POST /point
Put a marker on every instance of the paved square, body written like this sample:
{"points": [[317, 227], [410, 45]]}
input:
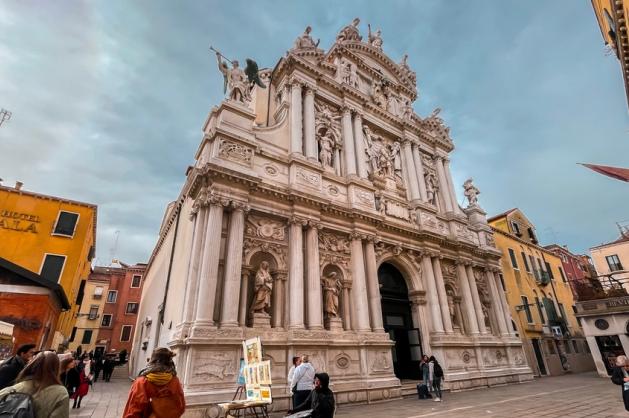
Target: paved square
{"points": [[571, 396]]}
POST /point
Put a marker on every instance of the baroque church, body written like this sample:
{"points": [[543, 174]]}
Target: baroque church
{"points": [[321, 215]]}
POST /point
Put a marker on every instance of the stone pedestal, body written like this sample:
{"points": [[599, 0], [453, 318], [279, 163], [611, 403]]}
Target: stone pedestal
{"points": [[260, 320], [476, 215], [333, 324]]}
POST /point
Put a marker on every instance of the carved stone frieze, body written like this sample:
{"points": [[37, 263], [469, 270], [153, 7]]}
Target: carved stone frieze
{"points": [[364, 197], [278, 250], [235, 152], [266, 228], [334, 243], [380, 362], [308, 178], [396, 210], [210, 366]]}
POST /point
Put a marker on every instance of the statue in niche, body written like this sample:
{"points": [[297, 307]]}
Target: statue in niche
{"points": [[471, 192], [392, 100], [382, 206], [385, 163], [331, 289], [486, 316], [263, 287], [452, 308], [350, 32], [397, 161], [375, 39], [377, 94], [326, 148], [371, 149], [349, 73], [407, 110], [305, 41], [432, 186]]}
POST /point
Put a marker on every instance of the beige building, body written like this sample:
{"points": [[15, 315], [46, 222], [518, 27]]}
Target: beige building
{"points": [[92, 304], [320, 214], [612, 258]]}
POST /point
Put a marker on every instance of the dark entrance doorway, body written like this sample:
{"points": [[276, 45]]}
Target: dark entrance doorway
{"points": [[610, 348], [396, 316], [538, 356]]}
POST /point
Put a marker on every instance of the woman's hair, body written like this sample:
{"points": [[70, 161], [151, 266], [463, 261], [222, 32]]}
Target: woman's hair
{"points": [[162, 356], [432, 358], [305, 358], [43, 371], [621, 361], [425, 357], [63, 366], [295, 359]]}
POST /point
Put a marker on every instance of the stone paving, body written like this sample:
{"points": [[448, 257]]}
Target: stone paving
{"points": [[570, 396]]}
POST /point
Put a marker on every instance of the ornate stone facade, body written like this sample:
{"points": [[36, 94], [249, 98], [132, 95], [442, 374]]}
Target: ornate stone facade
{"points": [[316, 182]]}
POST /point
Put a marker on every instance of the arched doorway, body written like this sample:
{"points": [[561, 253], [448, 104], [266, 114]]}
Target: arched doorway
{"points": [[398, 322]]}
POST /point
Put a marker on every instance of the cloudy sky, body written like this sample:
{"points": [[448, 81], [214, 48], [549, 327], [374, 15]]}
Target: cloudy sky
{"points": [[108, 100]]}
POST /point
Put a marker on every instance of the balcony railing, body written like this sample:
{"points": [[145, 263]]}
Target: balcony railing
{"points": [[603, 287]]}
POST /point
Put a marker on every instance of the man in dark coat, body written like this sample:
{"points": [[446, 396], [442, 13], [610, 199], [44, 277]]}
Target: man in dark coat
{"points": [[14, 365], [620, 376], [320, 400], [108, 368]]}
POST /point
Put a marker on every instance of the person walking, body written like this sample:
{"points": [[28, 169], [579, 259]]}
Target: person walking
{"points": [[620, 376], [303, 381], [425, 371], [98, 367], [320, 399], [435, 376], [157, 392], [291, 372], [40, 379], [69, 375], [108, 368], [11, 368], [83, 387]]}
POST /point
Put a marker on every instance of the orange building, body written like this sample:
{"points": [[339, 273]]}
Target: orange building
{"points": [[52, 237]]}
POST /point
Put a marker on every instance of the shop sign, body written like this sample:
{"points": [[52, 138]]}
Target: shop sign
{"points": [[614, 303], [19, 221]]}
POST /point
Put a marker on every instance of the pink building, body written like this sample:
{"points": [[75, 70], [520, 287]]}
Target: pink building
{"points": [[576, 269]]}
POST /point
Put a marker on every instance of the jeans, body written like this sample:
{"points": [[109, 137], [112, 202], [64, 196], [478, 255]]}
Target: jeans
{"points": [[425, 375], [299, 397], [436, 384]]}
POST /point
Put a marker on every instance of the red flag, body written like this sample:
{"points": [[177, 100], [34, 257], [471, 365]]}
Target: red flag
{"points": [[613, 172]]}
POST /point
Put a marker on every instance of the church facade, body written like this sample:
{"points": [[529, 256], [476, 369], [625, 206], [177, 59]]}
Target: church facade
{"points": [[320, 215]]}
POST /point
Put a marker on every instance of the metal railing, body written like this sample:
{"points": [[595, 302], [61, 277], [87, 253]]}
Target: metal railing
{"points": [[605, 286]]}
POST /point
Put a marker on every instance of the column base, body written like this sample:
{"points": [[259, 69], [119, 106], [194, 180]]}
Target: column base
{"points": [[201, 328], [333, 324], [260, 320]]}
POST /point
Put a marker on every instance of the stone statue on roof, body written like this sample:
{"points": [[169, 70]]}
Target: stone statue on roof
{"points": [[375, 39], [350, 32], [305, 41]]}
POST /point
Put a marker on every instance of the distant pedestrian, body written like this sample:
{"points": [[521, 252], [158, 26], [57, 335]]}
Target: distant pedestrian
{"points": [[424, 368], [320, 399], [84, 385], [98, 367], [157, 392], [291, 372], [620, 376], [69, 375], [436, 375], [14, 365], [303, 381], [108, 368], [40, 379]]}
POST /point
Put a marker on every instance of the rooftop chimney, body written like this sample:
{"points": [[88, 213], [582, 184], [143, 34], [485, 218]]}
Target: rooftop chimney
{"points": [[18, 185]]}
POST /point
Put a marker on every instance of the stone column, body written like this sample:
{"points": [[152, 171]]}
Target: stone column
{"points": [[373, 287], [196, 260], [411, 172], [359, 286], [359, 146], [348, 142], [419, 167], [337, 161], [443, 184], [244, 288], [467, 298], [478, 308], [296, 275], [278, 297], [309, 125], [455, 203], [347, 316], [496, 303], [314, 318], [505, 306], [233, 266], [433, 298], [295, 119], [443, 297], [206, 297]]}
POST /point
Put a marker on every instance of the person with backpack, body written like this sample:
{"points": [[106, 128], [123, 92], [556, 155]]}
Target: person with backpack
{"points": [[303, 381], [38, 392], [14, 365], [436, 375], [157, 392]]}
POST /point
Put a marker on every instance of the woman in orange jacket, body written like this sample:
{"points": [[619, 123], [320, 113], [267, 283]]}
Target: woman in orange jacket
{"points": [[157, 392]]}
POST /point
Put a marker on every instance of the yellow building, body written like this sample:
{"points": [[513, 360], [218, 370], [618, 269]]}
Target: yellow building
{"points": [[51, 236], [540, 299], [90, 315], [612, 20]]}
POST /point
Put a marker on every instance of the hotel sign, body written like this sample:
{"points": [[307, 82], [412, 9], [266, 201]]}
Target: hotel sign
{"points": [[615, 303], [19, 221]]}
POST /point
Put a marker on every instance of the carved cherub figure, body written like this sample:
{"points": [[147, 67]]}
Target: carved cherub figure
{"points": [[471, 192]]}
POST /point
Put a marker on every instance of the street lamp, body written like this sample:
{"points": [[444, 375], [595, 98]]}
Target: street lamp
{"points": [[5, 115]]}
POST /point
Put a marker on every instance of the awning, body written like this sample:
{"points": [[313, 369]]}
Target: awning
{"points": [[6, 329], [613, 172]]}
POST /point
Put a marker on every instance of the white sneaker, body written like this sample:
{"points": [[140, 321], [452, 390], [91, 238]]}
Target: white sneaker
{"points": [[437, 399]]}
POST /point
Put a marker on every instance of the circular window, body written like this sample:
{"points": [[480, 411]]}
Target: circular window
{"points": [[601, 324]]}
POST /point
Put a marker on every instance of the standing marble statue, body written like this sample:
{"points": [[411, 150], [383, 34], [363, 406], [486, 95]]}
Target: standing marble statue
{"points": [[370, 149], [452, 308], [305, 41], [431, 188], [471, 192], [331, 287], [375, 39], [326, 148], [235, 80], [397, 160], [350, 32], [263, 287]]}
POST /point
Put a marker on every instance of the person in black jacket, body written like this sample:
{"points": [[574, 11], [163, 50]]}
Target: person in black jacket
{"points": [[620, 376], [14, 365], [69, 376], [320, 400]]}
